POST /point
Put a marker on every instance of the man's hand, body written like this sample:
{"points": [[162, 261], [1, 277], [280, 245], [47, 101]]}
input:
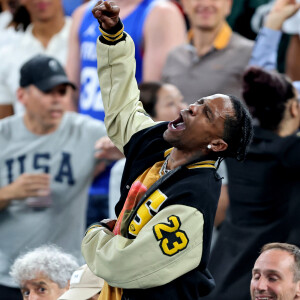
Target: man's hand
{"points": [[105, 149], [281, 11], [108, 223], [29, 185], [107, 14], [106, 152]]}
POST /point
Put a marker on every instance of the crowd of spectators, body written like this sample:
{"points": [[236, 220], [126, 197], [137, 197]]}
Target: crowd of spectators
{"points": [[59, 172]]}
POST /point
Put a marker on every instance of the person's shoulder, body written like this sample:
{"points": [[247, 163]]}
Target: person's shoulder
{"points": [[164, 6], [6, 51], [8, 125], [290, 141], [179, 57], [242, 42], [67, 27], [81, 119], [198, 187], [80, 11], [84, 122], [201, 176], [180, 52], [163, 13]]}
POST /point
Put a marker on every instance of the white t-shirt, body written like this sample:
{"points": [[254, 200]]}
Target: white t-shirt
{"points": [[17, 53], [10, 36], [5, 19]]}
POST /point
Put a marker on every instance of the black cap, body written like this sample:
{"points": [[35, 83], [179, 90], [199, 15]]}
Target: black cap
{"points": [[44, 72]]}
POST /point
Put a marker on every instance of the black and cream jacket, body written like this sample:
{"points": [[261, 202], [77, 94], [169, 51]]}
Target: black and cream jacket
{"points": [[166, 258]]}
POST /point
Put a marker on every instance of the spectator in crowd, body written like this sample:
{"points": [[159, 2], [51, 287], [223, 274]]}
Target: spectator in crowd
{"points": [[266, 47], [214, 60], [276, 273], [46, 166], [265, 55], [43, 273], [289, 47], [263, 188], [169, 195], [141, 18], [241, 14], [8, 12], [84, 285], [47, 34], [13, 28], [163, 102], [5, 13]]}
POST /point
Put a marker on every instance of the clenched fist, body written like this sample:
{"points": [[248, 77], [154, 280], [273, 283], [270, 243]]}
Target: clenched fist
{"points": [[107, 14]]}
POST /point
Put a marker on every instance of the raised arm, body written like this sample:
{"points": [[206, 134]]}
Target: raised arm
{"points": [[266, 47], [124, 113], [161, 35]]}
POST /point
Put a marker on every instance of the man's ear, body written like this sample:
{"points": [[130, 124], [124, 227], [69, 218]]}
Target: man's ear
{"points": [[68, 285], [218, 145], [294, 108], [297, 296], [21, 95]]}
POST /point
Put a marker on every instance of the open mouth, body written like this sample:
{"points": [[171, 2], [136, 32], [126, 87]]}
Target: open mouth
{"points": [[263, 298], [177, 124]]}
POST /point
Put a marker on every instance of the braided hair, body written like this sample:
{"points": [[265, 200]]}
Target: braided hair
{"points": [[238, 131]]}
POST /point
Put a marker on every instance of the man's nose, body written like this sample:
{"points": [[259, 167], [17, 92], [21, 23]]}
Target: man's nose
{"points": [[194, 109], [262, 284], [33, 296]]}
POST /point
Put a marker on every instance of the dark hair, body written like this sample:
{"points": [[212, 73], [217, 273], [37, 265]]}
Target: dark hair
{"points": [[21, 18], [292, 249], [148, 96], [238, 131], [266, 94]]}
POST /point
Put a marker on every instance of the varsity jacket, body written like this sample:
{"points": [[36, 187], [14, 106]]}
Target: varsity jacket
{"points": [[164, 250]]}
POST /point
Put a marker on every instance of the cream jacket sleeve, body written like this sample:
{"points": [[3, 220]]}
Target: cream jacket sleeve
{"points": [[124, 113], [168, 246]]}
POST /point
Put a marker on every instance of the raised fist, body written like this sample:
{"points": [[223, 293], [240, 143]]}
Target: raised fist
{"points": [[107, 14]]}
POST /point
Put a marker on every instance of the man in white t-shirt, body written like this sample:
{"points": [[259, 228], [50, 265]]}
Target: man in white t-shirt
{"points": [[48, 34]]}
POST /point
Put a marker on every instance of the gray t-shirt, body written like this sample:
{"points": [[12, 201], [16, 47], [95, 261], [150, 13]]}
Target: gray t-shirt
{"points": [[68, 156]]}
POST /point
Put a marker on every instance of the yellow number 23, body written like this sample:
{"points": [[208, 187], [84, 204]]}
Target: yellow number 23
{"points": [[172, 239]]}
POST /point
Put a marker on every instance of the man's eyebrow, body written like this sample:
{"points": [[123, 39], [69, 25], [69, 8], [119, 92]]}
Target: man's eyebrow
{"points": [[210, 114], [267, 271], [35, 284]]}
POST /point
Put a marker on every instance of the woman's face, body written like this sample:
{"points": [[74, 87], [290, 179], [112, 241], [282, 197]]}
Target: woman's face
{"points": [[169, 103]]}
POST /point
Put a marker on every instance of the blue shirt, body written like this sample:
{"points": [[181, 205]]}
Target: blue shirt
{"points": [[265, 51], [70, 6], [90, 100]]}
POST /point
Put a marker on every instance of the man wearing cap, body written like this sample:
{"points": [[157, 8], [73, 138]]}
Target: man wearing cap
{"points": [[84, 285], [47, 161]]}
